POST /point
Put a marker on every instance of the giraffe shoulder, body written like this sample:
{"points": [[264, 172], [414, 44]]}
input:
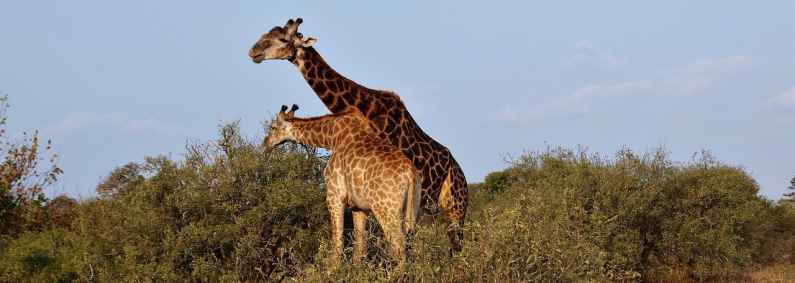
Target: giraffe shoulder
{"points": [[386, 97], [394, 97]]}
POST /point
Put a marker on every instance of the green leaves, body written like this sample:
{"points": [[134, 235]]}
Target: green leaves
{"points": [[230, 211], [24, 173], [634, 215]]}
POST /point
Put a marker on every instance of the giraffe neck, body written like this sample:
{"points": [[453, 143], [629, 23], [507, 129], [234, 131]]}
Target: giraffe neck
{"points": [[327, 83], [324, 131]]}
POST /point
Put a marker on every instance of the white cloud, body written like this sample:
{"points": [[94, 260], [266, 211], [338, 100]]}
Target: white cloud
{"points": [[523, 113], [76, 121], [693, 79], [787, 98], [585, 53], [565, 106], [717, 66], [616, 89], [697, 78]]}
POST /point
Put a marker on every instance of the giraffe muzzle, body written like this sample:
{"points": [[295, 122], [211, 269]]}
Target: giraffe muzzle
{"points": [[255, 55]]}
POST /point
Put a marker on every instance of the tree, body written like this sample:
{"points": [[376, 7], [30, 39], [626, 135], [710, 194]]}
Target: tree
{"points": [[61, 211], [497, 181], [120, 180], [24, 173], [790, 197]]}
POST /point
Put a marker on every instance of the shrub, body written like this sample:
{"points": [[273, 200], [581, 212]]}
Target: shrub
{"points": [[38, 257], [24, 173], [231, 211], [571, 215], [497, 181]]}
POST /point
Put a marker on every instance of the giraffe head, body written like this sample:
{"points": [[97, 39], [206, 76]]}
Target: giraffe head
{"points": [[280, 129], [280, 43]]}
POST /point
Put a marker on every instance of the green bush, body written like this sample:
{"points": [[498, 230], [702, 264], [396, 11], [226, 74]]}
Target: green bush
{"points": [[24, 173], [230, 211], [497, 181], [572, 216], [38, 257]]}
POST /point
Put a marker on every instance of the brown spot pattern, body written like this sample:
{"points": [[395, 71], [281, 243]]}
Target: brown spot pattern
{"points": [[389, 117]]}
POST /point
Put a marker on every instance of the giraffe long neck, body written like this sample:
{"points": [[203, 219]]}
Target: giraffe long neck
{"points": [[385, 111], [335, 90], [324, 131]]}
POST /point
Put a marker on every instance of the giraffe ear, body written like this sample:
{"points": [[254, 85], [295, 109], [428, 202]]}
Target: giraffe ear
{"points": [[307, 42]]}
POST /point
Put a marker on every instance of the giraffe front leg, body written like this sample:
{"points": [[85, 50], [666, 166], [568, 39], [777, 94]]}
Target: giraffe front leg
{"points": [[337, 214], [359, 236]]}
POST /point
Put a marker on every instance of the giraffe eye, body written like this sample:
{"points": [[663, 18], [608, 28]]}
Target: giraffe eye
{"points": [[283, 40]]}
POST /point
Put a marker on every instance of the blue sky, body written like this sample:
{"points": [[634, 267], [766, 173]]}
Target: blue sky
{"points": [[112, 82]]}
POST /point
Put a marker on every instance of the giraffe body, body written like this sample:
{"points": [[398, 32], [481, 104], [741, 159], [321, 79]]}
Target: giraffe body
{"points": [[444, 187], [364, 173]]}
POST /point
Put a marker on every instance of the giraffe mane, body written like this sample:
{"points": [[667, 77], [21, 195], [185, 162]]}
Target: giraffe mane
{"points": [[351, 112]]}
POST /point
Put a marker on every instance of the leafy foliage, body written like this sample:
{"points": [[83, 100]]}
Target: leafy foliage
{"points": [[498, 181], [24, 173], [228, 212], [573, 216], [231, 211], [790, 196]]}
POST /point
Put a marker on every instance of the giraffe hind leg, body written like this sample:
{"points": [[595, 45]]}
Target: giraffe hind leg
{"points": [[453, 204], [391, 222]]}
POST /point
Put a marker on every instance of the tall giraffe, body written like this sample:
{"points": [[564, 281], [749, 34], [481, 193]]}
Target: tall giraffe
{"points": [[365, 172], [444, 186]]}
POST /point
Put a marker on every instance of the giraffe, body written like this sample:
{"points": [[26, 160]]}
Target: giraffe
{"points": [[444, 187], [364, 173]]}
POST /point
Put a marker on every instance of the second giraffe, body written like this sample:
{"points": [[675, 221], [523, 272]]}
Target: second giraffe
{"points": [[365, 173]]}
